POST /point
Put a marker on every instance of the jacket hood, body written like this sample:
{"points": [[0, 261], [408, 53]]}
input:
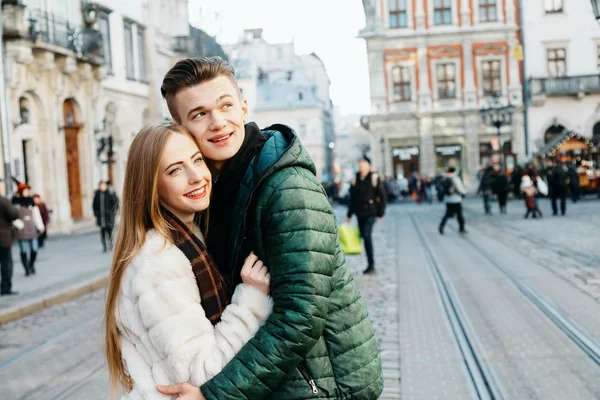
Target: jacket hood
{"points": [[282, 150]]}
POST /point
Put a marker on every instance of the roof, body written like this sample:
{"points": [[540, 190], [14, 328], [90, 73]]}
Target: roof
{"points": [[557, 141], [285, 96]]}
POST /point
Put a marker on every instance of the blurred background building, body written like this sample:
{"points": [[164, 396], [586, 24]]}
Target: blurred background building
{"points": [[82, 79], [433, 65], [562, 49], [286, 88]]}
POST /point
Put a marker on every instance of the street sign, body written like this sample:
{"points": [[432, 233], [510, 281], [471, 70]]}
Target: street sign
{"points": [[517, 52]]}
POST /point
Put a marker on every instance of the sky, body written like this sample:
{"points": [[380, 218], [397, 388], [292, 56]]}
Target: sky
{"points": [[328, 28]]}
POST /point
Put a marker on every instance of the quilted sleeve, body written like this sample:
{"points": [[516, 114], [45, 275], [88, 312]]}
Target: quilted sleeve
{"points": [[299, 233]]}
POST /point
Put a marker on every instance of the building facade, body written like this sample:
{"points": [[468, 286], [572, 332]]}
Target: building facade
{"points": [[286, 88], [82, 78], [562, 50], [433, 65]]}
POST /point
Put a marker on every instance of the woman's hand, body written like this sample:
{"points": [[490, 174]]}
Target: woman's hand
{"points": [[256, 274], [184, 390]]}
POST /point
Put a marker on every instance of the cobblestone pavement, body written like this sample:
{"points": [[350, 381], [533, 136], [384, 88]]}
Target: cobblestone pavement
{"points": [[420, 356]]}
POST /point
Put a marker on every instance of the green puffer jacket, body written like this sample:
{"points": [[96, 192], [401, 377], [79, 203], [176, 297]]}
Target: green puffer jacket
{"points": [[318, 342]]}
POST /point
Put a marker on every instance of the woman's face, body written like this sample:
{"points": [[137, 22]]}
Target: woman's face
{"points": [[184, 181]]}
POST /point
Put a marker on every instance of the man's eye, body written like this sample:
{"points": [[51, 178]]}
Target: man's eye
{"points": [[200, 114], [227, 105]]}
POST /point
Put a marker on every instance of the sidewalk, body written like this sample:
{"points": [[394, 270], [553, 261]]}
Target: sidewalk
{"points": [[67, 267]]}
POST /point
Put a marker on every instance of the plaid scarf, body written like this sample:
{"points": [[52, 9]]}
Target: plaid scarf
{"points": [[214, 295]]}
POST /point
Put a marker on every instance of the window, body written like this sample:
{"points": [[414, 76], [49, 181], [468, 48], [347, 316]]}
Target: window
{"points": [[446, 81], [398, 14], [129, 67], [491, 77], [141, 48], [104, 29], [557, 62], [487, 11], [401, 80], [442, 12], [553, 6], [598, 58], [300, 96], [302, 130]]}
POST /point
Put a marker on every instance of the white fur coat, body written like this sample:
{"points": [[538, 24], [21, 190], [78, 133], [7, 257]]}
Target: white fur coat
{"points": [[165, 335]]}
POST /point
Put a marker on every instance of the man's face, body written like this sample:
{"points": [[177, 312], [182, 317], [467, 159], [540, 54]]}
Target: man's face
{"points": [[364, 167], [102, 187], [214, 113]]}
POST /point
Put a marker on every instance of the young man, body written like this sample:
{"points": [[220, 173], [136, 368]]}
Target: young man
{"points": [[318, 341], [105, 207], [367, 201], [454, 191]]}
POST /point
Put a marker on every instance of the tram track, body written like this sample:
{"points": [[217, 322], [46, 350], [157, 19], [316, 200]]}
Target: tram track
{"points": [[578, 335], [46, 345], [483, 379]]}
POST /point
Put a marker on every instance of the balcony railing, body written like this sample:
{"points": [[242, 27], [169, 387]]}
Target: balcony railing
{"points": [[180, 44], [51, 29], [567, 85]]}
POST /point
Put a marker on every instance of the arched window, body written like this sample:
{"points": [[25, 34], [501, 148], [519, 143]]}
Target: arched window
{"points": [[300, 95], [553, 131], [596, 131]]}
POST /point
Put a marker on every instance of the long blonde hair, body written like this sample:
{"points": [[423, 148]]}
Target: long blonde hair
{"points": [[140, 212]]}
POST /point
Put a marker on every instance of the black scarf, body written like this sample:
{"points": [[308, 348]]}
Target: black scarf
{"points": [[226, 186]]}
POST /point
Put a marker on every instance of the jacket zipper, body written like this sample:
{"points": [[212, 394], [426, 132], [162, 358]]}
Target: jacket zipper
{"points": [[308, 378]]}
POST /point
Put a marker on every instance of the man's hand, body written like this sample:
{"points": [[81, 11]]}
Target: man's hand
{"points": [[379, 219], [347, 220], [184, 390]]}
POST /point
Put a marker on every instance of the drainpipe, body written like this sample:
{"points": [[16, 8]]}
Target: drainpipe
{"points": [[4, 116], [525, 80]]}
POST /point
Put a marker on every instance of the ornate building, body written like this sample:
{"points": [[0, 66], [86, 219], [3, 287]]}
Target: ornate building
{"points": [[82, 79], [433, 65]]}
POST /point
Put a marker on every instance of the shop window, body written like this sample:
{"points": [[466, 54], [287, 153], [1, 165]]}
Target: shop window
{"points": [[398, 14]]}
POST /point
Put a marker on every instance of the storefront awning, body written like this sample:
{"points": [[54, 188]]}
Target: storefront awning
{"points": [[567, 141]]}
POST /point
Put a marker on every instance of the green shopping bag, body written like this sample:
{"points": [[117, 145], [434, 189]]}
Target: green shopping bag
{"points": [[350, 239]]}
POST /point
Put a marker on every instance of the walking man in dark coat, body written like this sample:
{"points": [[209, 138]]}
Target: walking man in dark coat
{"points": [[105, 208], [558, 181], [367, 202], [8, 214]]}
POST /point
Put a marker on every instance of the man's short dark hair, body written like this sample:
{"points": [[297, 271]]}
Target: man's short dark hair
{"points": [[191, 72], [451, 169]]}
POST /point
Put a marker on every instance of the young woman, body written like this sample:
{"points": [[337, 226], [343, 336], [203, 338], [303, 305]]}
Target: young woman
{"points": [[29, 214], [168, 315]]}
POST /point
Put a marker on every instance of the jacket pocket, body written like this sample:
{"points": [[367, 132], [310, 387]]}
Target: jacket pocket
{"points": [[306, 375]]}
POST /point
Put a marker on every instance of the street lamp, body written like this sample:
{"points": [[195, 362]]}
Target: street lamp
{"points": [[596, 7], [497, 115]]}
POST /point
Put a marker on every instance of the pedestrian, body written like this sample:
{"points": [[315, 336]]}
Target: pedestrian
{"points": [[454, 191], [515, 181], [169, 314], [8, 214], [485, 189], [428, 183], [574, 186], [500, 187], [31, 217], [266, 198], [104, 206], [367, 202], [45, 213], [529, 190], [559, 186]]}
